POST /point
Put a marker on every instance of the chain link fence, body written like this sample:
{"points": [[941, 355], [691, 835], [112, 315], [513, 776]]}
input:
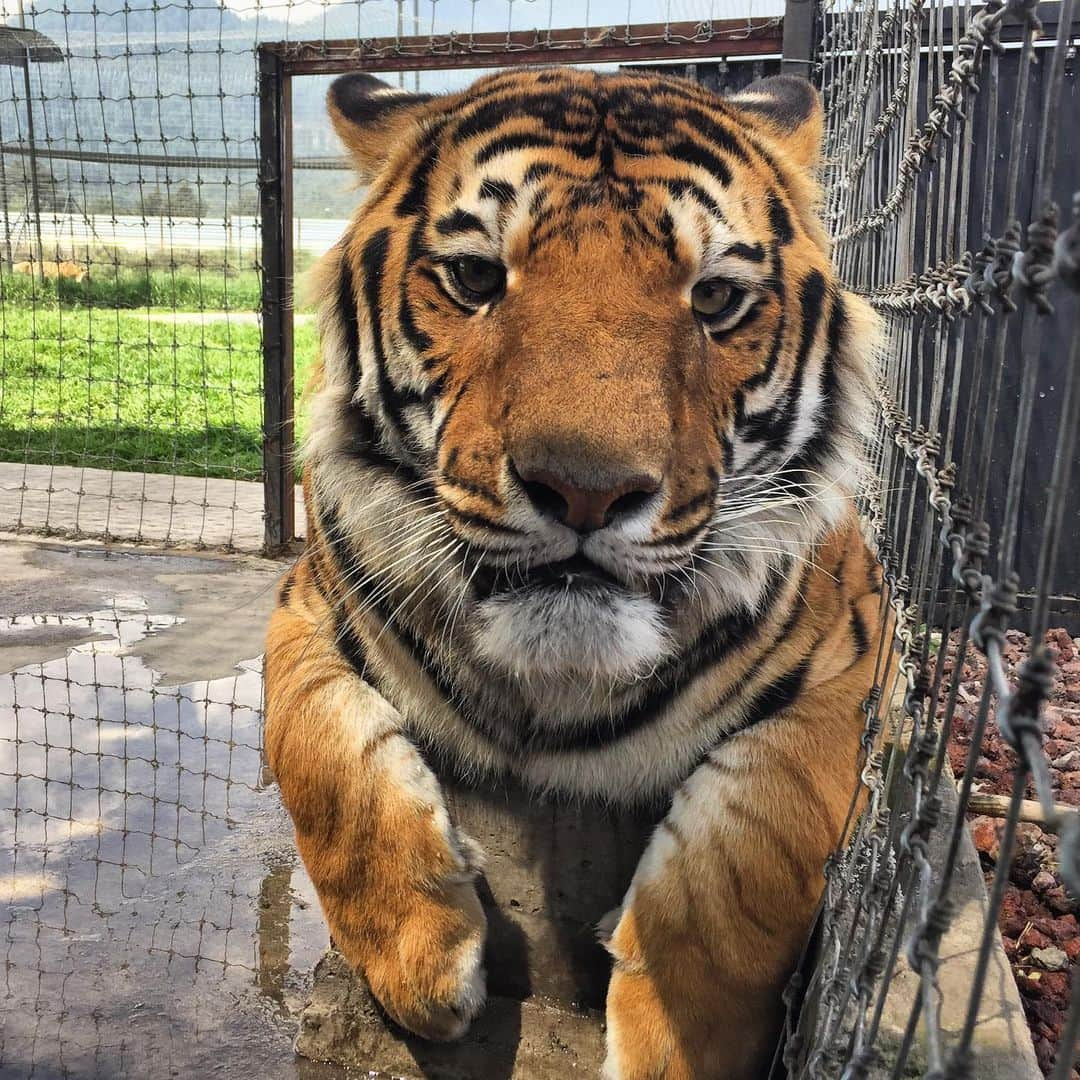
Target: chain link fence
{"points": [[131, 323], [952, 197], [134, 317]]}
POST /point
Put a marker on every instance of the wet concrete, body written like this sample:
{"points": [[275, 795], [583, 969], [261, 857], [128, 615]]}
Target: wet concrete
{"points": [[155, 921]]}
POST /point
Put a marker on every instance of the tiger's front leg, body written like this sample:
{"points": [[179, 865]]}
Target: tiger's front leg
{"points": [[723, 898], [394, 878]]}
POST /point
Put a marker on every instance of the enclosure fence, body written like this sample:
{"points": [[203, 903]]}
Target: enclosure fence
{"points": [[135, 402], [952, 198], [165, 170]]}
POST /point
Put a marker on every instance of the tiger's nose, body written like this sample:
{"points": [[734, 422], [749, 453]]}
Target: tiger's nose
{"points": [[583, 508]]}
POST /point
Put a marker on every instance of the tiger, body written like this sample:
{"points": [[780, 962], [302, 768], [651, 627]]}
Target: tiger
{"points": [[586, 435]]}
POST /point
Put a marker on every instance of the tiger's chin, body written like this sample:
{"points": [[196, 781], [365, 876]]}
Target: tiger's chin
{"points": [[584, 633]]}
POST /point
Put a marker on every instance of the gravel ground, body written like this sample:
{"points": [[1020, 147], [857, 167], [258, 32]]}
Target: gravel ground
{"points": [[1038, 920]]}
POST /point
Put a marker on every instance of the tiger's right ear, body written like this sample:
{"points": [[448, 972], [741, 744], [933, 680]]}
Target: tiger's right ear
{"points": [[371, 117]]}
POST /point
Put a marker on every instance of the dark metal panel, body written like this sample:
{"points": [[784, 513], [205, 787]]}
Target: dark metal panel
{"points": [[798, 38], [275, 197], [20, 46]]}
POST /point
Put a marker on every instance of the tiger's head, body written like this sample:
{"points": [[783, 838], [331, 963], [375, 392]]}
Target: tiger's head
{"points": [[587, 327]]}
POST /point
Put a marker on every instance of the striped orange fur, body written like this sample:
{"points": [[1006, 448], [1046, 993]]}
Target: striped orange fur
{"points": [[584, 435]]}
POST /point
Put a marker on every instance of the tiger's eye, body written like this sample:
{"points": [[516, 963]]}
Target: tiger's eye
{"points": [[712, 298], [480, 279]]}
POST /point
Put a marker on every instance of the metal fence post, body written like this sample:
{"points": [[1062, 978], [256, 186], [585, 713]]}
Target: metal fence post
{"points": [[798, 46], [275, 204]]}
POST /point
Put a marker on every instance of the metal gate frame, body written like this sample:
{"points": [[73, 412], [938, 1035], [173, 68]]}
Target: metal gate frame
{"points": [[279, 62]]}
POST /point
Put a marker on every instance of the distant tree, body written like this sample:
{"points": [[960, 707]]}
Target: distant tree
{"points": [[185, 203], [154, 203]]}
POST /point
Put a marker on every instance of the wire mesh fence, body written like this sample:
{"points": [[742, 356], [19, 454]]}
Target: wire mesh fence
{"points": [[950, 197], [130, 342], [132, 390]]}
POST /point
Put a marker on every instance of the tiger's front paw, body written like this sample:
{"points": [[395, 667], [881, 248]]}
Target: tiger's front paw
{"points": [[430, 978]]}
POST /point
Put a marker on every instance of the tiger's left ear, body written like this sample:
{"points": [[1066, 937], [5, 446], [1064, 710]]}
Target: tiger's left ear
{"points": [[788, 110], [371, 118]]}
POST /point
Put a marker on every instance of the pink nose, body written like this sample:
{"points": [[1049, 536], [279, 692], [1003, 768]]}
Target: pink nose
{"points": [[581, 508]]}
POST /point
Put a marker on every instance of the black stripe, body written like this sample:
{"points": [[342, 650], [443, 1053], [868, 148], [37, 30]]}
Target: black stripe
{"points": [[479, 521], [812, 453], [350, 646], [692, 153], [779, 219], [522, 140], [681, 187], [434, 388], [778, 695], [285, 591], [501, 191], [539, 169], [373, 261], [347, 310], [365, 444], [750, 252], [774, 425], [712, 645], [665, 225], [683, 537], [710, 128], [472, 488], [450, 410], [812, 295], [459, 221], [414, 197], [859, 632], [688, 507], [552, 112], [779, 289], [412, 333]]}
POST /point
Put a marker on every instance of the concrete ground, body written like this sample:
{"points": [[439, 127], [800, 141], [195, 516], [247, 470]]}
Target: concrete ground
{"points": [[192, 511], [156, 921]]}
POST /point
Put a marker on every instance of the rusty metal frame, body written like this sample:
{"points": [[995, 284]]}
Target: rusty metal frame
{"points": [[280, 62], [654, 41]]}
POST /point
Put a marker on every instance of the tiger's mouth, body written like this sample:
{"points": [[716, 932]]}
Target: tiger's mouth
{"points": [[577, 573], [568, 619]]}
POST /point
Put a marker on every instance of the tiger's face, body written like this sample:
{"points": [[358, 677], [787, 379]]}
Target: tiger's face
{"points": [[592, 320]]}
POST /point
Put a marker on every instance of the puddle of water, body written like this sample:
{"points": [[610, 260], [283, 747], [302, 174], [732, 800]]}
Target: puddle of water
{"points": [[155, 921]]}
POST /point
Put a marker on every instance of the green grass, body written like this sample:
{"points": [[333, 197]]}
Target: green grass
{"points": [[116, 287], [116, 389]]}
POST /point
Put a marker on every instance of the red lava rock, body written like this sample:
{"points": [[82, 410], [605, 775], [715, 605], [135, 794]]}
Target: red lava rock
{"points": [[1055, 985], [1036, 912], [984, 832], [1060, 641], [1034, 939], [1043, 881], [1058, 901], [1013, 918], [1062, 927]]}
